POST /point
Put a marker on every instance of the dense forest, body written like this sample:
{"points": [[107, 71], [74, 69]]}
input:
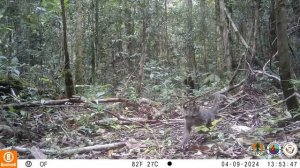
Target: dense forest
{"points": [[90, 79]]}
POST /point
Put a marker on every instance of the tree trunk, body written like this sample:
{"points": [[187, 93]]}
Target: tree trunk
{"points": [[96, 40], [157, 49], [225, 37], [230, 54], [166, 37], [119, 31], [218, 38], [92, 45], [79, 67], [255, 28], [273, 41], [129, 33], [144, 47], [284, 58], [204, 34], [67, 71], [295, 37], [192, 65]]}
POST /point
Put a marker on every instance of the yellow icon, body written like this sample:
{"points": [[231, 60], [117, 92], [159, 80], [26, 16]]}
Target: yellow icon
{"points": [[258, 148]]}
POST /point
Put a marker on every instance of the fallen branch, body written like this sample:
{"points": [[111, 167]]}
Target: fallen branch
{"points": [[109, 100], [236, 30], [60, 102], [298, 95], [42, 103], [229, 88], [70, 151], [239, 35], [138, 121], [264, 72], [232, 102]]}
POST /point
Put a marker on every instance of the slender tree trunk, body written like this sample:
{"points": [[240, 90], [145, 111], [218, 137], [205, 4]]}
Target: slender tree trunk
{"points": [[192, 65], [284, 58], [272, 39], [230, 54], [92, 42], [79, 70], [166, 40], [260, 31], [119, 31], [218, 38], [295, 43], [129, 32], [101, 58], [119, 45], [144, 47], [93, 55], [157, 50], [96, 40], [255, 28], [296, 13], [204, 32], [225, 37], [67, 71]]}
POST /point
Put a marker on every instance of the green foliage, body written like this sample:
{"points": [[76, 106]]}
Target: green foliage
{"points": [[202, 129], [9, 67], [161, 83], [295, 113], [296, 84], [211, 79], [207, 129], [267, 130], [11, 109], [54, 5], [43, 78], [131, 93], [97, 91]]}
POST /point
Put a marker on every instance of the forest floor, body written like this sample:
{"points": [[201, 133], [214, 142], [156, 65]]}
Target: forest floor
{"points": [[149, 130]]}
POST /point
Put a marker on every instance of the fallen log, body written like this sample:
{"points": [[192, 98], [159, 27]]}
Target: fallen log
{"points": [[70, 151]]}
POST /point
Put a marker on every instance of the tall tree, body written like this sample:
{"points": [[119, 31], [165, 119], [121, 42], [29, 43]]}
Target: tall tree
{"points": [[96, 41], [192, 65], [203, 8], [79, 68], [272, 36], [225, 36], [144, 45], [284, 58], [218, 38], [255, 29], [166, 37], [67, 70], [295, 36], [129, 28]]}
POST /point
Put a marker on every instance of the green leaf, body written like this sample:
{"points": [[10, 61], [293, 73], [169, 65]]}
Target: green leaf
{"points": [[116, 127], [11, 109], [202, 129], [215, 122], [212, 78]]}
